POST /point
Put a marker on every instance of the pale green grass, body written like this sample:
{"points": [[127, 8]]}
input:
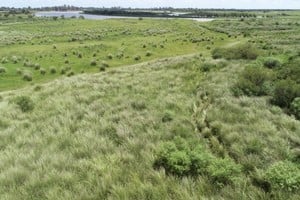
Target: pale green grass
{"points": [[96, 136]]}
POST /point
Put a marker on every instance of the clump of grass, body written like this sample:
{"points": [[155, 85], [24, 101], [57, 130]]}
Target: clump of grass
{"points": [[18, 71], [66, 61], [148, 53], [14, 59], [70, 73], [42, 71], [110, 56], [37, 66], [52, 70], [25, 103], [4, 60], [104, 64], [79, 55], [137, 58], [272, 63], [27, 76], [93, 63], [2, 70], [138, 105]]}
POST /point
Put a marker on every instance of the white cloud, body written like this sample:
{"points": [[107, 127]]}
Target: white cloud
{"points": [[279, 4]]}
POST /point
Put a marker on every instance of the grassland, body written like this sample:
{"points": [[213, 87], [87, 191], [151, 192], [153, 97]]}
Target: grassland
{"points": [[166, 126]]}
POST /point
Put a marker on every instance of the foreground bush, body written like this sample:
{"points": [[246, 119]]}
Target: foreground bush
{"points": [[253, 81], [181, 159], [284, 175], [285, 92], [24, 103], [242, 51]]}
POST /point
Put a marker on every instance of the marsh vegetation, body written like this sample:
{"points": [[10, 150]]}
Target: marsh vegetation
{"points": [[150, 109]]}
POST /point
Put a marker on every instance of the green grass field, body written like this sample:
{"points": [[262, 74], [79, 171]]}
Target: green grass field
{"points": [[167, 125]]}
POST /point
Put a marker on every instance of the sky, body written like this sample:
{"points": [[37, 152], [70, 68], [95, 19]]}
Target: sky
{"points": [[239, 4]]}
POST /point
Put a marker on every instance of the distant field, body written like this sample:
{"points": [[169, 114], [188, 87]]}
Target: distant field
{"points": [[81, 46], [150, 109]]}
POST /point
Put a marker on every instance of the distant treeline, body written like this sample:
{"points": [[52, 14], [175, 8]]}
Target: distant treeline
{"points": [[171, 14]]}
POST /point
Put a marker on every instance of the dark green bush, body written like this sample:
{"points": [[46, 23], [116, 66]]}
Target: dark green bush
{"points": [[242, 51], [285, 92], [24, 103], [206, 67], [290, 70], [284, 175], [52, 70], [295, 107], [253, 81], [272, 63]]}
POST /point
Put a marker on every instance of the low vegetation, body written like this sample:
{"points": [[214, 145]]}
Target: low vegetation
{"points": [[150, 109]]}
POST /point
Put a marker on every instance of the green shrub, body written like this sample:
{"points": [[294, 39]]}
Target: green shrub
{"points": [[223, 171], [253, 81], [295, 107], [185, 159], [2, 70], [24, 103], [284, 175], [242, 51], [272, 63], [285, 92]]}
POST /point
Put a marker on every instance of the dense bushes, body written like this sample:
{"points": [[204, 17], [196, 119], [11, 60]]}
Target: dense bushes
{"points": [[285, 92], [242, 51], [253, 81], [284, 175], [183, 159]]}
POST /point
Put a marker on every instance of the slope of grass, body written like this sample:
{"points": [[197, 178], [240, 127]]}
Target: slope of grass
{"points": [[96, 136]]}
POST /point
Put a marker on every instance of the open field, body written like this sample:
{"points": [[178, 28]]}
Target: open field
{"points": [[73, 45], [150, 109]]}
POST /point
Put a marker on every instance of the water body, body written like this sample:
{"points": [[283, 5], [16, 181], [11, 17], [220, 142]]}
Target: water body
{"points": [[69, 14]]}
